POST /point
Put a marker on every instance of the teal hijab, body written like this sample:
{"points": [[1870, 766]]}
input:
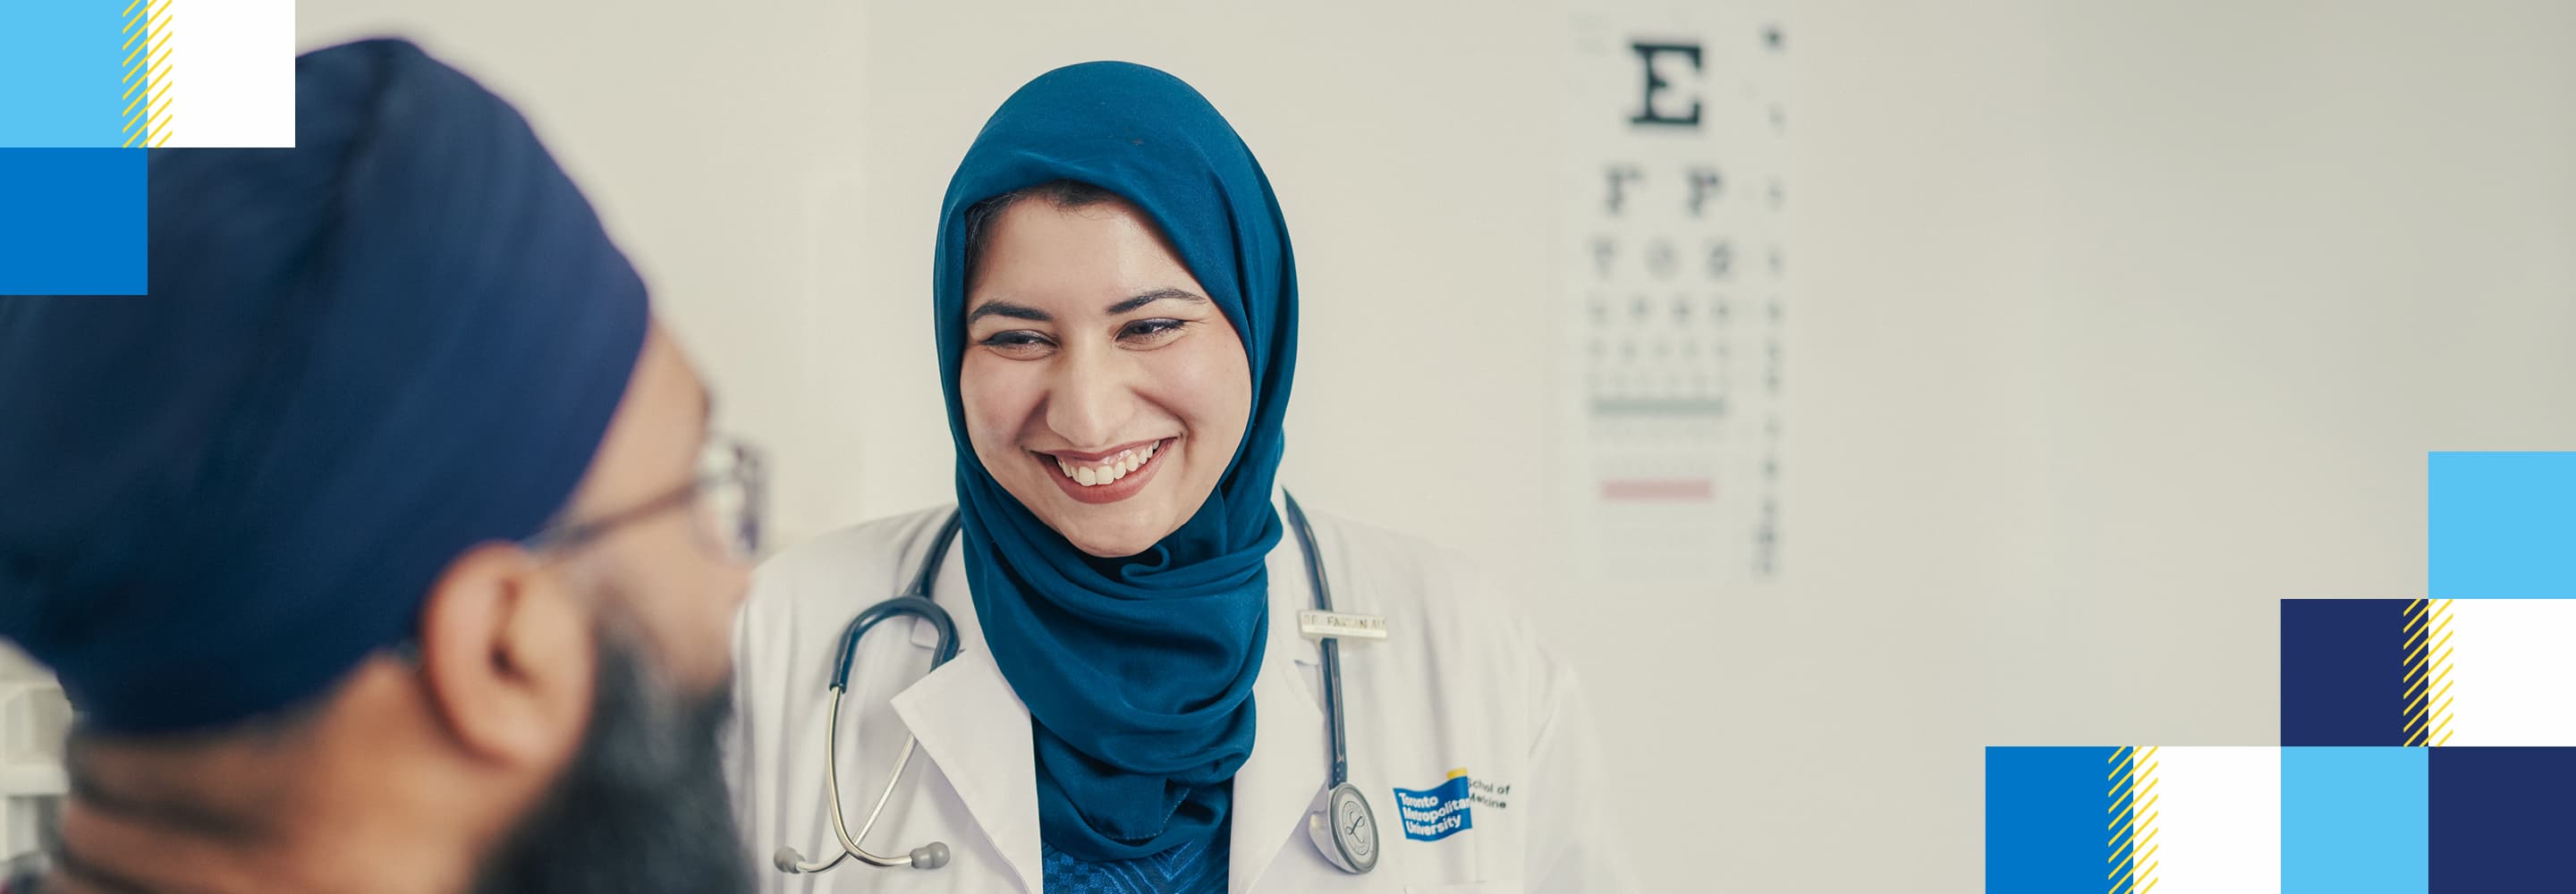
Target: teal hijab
{"points": [[1137, 672]]}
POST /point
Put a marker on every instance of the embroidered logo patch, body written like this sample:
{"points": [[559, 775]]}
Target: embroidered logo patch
{"points": [[1436, 812]]}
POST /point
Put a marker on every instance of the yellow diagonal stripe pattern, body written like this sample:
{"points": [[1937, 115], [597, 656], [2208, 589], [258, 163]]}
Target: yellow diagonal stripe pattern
{"points": [[2428, 673], [2132, 823], [147, 72]]}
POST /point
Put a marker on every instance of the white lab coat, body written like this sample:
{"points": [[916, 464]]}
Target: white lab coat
{"points": [[1461, 684]]}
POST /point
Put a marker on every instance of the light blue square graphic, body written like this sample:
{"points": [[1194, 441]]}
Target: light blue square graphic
{"points": [[2355, 821], [65, 79], [2500, 525]]}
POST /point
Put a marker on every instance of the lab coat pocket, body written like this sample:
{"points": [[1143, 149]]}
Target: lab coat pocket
{"points": [[1501, 887]]}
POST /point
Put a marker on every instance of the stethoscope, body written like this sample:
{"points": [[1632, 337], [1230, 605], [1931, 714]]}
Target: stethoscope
{"points": [[1344, 829]]}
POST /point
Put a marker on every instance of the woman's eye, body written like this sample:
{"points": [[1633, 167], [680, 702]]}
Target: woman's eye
{"points": [[1016, 341], [1152, 330]]}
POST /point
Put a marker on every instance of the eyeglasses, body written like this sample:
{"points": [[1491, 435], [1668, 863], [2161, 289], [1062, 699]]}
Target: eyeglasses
{"points": [[729, 493]]}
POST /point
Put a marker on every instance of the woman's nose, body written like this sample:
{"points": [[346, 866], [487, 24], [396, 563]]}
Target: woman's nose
{"points": [[1091, 399]]}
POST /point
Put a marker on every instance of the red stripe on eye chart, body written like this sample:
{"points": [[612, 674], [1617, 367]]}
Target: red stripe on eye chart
{"points": [[1642, 489]]}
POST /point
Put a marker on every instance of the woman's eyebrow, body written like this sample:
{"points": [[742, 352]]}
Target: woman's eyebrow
{"points": [[1007, 309], [1153, 296]]}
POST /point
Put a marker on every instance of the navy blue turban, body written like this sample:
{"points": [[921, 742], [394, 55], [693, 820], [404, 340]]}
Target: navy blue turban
{"points": [[1137, 673], [359, 358]]}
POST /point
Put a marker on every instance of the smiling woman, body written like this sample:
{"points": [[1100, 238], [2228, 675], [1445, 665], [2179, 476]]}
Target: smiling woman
{"points": [[1097, 363], [1131, 708]]}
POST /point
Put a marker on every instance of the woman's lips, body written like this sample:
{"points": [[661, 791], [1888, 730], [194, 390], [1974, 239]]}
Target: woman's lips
{"points": [[1105, 476]]}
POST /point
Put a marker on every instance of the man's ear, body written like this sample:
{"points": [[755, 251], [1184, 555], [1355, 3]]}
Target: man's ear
{"points": [[507, 656]]}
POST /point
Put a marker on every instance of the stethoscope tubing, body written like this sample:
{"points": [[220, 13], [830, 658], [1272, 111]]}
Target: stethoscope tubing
{"points": [[916, 601]]}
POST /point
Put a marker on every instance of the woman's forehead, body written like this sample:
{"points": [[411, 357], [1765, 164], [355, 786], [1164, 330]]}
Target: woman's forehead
{"points": [[1040, 252]]}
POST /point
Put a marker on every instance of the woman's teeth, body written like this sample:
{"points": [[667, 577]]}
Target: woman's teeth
{"points": [[1109, 470]]}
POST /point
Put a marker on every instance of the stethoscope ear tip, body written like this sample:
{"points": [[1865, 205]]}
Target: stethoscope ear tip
{"points": [[787, 860], [930, 856]]}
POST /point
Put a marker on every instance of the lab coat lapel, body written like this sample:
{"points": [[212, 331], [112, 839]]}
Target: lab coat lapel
{"points": [[1284, 778], [977, 730]]}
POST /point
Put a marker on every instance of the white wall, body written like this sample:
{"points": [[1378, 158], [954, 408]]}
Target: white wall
{"points": [[2117, 323], [2134, 320]]}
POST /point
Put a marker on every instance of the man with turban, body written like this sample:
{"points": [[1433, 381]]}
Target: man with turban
{"points": [[382, 547]]}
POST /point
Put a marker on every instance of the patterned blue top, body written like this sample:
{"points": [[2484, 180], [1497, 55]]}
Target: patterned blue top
{"points": [[1191, 867]]}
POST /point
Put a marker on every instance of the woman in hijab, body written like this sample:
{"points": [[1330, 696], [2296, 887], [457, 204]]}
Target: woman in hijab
{"points": [[1141, 699]]}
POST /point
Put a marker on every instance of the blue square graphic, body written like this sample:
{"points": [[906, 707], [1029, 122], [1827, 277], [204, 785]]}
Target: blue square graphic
{"points": [[67, 72], [2046, 812], [2352, 820], [2343, 671], [2500, 525], [72, 222], [2500, 819]]}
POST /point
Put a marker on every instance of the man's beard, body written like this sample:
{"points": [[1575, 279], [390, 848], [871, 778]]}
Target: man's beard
{"points": [[643, 807]]}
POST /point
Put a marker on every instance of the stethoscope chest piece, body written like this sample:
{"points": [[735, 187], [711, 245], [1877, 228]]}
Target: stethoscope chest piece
{"points": [[1345, 830]]}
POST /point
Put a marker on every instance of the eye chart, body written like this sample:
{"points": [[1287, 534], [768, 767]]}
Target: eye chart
{"points": [[1673, 291]]}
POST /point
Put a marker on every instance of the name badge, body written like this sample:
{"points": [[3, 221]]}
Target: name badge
{"points": [[1340, 625]]}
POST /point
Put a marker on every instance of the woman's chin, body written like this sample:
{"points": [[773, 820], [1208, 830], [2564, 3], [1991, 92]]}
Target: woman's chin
{"points": [[1109, 544], [1112, 552], [1103, 530], [1106, 532]]}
